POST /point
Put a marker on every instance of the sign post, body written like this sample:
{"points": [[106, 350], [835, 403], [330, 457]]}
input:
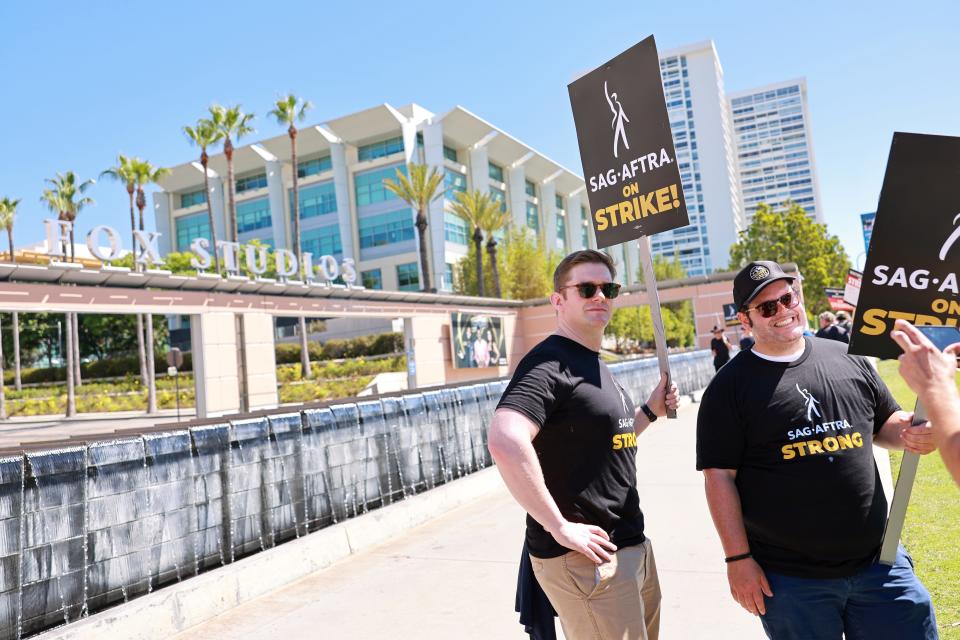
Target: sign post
{"points": [[626, 147], [175, 361], [911, 269]]}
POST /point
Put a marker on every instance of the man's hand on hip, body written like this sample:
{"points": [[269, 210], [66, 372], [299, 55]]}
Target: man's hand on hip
{"points": [[748, 585], [588, 539]]}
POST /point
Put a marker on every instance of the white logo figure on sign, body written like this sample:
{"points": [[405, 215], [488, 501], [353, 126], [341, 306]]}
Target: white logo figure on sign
{"points": [[619, 117], [811, 403], [949, 241]]}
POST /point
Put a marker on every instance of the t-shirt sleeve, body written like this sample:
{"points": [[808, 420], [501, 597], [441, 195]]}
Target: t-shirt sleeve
{"points": [[884, 401], [537, 386], [720, 430]]}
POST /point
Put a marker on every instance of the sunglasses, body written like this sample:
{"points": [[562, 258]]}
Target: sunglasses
{"points": [[589, 289], [768, 309]]}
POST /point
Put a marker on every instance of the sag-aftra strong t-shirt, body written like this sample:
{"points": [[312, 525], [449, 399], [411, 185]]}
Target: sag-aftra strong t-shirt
{"points": [[586, 443], [799, 435]]}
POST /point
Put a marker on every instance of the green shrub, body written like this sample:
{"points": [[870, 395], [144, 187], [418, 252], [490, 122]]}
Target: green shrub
{"points": [[381, 344]]}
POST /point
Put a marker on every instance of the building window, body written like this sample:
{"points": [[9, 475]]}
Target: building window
{"points": [[316, 200], [386, 228], [190, 227], [448, 276], [192, 198], [562, 233], [584, 235], [455, 229], [531, 189], [453, 181], [314, 166], [450, 153], [558, 200], [380, 149], [408, 279], [496, 172], [499, 196], [253, 214], [322, 241], [533, 217], [370, 188], [258, 181], [372, 279]]}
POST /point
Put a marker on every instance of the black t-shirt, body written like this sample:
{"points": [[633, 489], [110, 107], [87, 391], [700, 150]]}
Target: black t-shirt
{"points": [[833, 332], [720, 349], [746, 342], [586, 444], [799, 435]]}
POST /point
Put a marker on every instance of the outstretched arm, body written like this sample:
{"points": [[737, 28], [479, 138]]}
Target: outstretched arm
{"points": [[510, 442], [660, 400]]}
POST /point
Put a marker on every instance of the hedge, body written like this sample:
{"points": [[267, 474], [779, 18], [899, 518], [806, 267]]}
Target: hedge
{"points": [[362, 346]]}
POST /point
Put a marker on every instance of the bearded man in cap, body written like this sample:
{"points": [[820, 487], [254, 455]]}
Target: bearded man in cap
{"points": [[784, 439]]}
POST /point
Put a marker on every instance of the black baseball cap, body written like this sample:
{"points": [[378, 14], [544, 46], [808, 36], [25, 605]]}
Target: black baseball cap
{"points": [[753, 278]]}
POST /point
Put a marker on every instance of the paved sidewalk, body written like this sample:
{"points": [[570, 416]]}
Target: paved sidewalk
{"points": [[455, 576]]}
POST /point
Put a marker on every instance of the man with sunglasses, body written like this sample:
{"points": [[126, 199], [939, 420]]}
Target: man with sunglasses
{"points": [[564, 438], [784, 437]]}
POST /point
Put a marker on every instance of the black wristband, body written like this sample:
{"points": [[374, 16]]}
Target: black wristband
{"points": [[742, 556], [647, 411]]}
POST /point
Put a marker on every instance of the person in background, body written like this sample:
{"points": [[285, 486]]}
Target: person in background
{"points": [[746, 340], [720, 347], [931, 374], [843, 321], [829, 328]]}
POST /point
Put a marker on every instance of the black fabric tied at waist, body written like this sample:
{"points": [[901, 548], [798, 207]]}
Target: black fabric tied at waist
{"points": [[536, 612]]}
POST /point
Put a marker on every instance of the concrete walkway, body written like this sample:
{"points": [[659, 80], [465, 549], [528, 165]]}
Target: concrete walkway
{"points": [[455, 576]]}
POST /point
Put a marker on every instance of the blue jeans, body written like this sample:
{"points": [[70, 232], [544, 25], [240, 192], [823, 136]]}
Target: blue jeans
{"points": [[878, 603]]}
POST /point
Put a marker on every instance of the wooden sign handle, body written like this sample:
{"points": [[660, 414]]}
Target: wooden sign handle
{"points": [[653, 301]]}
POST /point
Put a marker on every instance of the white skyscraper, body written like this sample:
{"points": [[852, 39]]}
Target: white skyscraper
{"points": [[775, 149]]}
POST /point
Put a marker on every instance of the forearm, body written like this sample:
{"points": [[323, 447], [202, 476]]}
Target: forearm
{"points": [[520, 469], [724, 502], [640, 421], [889, 436], [944, 414]]}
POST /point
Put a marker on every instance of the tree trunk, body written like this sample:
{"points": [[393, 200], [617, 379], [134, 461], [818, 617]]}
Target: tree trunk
{"points": [[76, 349], [231, 204], [133, 227], [492, 250], [424, 261], [3, 391], [477, 241], [144, 380], [16, 351], [151, 369], [213, 228], [305, 371], [71, 394]]}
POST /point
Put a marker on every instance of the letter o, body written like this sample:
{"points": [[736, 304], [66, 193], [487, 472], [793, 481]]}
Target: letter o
{"points": [[328, 268], [830, 443], [112, 237], [940, 305]]}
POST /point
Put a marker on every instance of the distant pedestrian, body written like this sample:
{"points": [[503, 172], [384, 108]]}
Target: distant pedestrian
{"points": [[829, 328], [720, 347]]}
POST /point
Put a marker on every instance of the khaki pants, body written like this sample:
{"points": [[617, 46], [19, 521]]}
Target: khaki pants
{"points": [[617, 600]]}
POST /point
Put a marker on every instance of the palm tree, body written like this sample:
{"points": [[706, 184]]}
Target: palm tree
{"points": [[287, 111], [474, 206], [493, 221], [231, 122], [144, 174], [64, 199], [203, 135], [125, 172], [8, 213], [418, 190]]}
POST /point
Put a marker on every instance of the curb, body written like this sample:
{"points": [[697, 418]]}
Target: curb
{"points": [[178, 607]]}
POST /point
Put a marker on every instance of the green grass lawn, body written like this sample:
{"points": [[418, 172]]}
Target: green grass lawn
{"points": [[932, 529]]}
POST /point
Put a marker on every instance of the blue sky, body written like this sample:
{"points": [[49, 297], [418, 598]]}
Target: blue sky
{"points": [[84, 81]]}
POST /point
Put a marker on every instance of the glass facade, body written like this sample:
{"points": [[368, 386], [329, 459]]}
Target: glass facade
{"points": [[450, 153], [246, 183], [315, 200], [453, 181], [192, 198], [448, 276], [322, 241], [196, 225], [530, 189], [408, 278], [558, 200], [562, 233], [500, 196], [386, 228], [372, 279], [380, 149], [585, 234], [455, 229], [773, 150], [369, 185], [314, 166], [496, 172], [253, 214]]}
